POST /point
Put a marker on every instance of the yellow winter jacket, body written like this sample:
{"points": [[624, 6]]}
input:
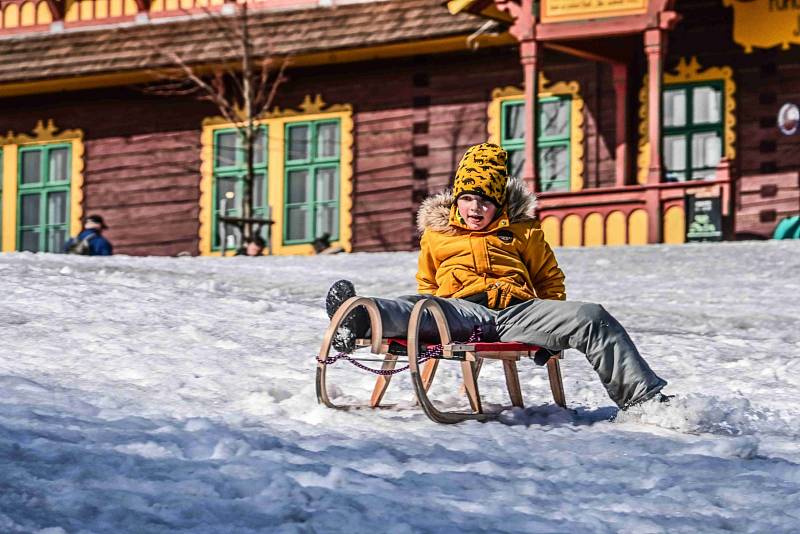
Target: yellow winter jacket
{"points": [[508, 259]]}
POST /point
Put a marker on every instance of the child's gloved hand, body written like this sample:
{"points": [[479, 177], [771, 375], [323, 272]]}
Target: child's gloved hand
{"points": [[543, 355]]}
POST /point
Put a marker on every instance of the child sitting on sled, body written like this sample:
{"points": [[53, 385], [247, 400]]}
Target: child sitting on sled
{"points": [[485, 259]]}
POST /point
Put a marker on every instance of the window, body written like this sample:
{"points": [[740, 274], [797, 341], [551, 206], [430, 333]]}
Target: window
{"points": [[692, 130], [43, 197], [312, 168], [553, 140], [230, 171], [307, 186]]}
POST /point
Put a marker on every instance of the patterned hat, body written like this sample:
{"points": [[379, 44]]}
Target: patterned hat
{"points": [[483, 172]]}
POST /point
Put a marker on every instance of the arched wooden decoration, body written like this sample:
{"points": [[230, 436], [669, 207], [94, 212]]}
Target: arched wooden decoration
{"points": [[551, 227], [616, 229], [572, 228], [27, 14], [593, 230], [637, 227], [675, 225], [43, 13], [11, 16]]}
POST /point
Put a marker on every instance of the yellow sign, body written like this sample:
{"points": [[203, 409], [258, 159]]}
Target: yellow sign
{"points": [[765, 23], [563, 10]]}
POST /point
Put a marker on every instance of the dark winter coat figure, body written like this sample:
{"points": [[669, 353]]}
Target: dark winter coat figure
{"points": [[90, 242]]}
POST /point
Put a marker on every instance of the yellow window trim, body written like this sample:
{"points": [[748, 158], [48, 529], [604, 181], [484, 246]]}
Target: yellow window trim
{"points": [[687, 72], [42, 135], [275, 121], [503, 94]]}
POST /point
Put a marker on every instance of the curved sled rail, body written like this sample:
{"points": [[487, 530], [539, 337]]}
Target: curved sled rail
{"points": [[421, 384], [376, 339]]}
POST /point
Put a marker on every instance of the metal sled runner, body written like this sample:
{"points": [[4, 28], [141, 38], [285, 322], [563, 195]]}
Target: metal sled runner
{"points": [[424, 359]]}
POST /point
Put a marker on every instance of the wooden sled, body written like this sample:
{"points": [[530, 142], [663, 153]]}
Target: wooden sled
{"points": [[470, 355]]}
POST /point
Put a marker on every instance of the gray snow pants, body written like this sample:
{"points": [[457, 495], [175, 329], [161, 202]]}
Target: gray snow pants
{"points": [[553, 324]]}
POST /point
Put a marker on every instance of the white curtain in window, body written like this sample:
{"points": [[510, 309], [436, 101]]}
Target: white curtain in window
{"points": [[675, 108], [706, 150], [707, 105], [675, 152]]}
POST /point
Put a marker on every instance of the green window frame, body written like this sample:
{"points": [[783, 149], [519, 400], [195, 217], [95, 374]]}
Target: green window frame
{"points": [[230, 170], [554, 140], [43, 197], [693, 130], [312, 168]]}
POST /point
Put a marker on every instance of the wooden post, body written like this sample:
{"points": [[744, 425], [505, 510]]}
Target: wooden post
{"points": [[529, 56], [524, 30], [512, 383], [471, 385], [620, 72], [556, 383], [654, 48]]}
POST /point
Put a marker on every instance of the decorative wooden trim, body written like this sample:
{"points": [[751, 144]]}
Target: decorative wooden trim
{"points": [[309, 106], [206, 183], [675, 225], [9, 237], [42, 134], [503, 94], [689, 72], [311, 109]]}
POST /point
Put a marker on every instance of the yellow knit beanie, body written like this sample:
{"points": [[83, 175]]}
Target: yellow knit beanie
{"points": [[483, 171]]}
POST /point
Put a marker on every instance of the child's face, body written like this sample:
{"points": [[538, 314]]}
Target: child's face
{"points": [[477, 211]]}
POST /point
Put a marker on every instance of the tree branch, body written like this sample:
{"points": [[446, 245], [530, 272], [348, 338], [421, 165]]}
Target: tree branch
{"points": [[279, 79], [210, 94]]}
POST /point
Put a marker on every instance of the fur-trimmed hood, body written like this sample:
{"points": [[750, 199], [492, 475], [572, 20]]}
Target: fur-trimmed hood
{"points": [[434, 213]]}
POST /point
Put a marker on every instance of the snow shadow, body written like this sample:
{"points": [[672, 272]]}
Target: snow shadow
{"points": [[552, 415]]}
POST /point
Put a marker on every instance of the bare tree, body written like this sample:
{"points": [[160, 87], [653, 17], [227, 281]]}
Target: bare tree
{"points": [[242, 89]]}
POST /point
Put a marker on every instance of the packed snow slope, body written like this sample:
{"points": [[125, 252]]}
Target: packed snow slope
{"points": [[177, 395]]}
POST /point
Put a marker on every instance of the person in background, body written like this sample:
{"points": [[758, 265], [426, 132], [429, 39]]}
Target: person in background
{"points": [[90, 242], [252, 247], [322, 245]]}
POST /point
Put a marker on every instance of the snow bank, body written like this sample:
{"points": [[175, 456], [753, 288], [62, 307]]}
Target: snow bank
{"points": [[177, 394]]}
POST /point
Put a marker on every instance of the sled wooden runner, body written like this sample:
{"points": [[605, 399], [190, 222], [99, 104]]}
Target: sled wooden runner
{"points": [[470, 355], [378, 345]]}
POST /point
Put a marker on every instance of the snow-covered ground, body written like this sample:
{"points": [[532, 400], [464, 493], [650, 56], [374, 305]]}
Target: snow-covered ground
{"points": [[177, 394]]}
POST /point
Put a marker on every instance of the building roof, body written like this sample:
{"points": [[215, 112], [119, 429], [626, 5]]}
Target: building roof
{"points": [[201, 40]]}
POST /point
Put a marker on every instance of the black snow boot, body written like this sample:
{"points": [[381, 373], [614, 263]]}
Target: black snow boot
{"points": [[353, 326]]}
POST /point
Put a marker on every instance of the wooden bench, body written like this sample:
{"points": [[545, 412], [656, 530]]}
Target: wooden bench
{"points": [[470, 356]]}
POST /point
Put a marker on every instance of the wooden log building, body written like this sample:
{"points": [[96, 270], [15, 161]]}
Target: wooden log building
{"points": [[636, 121]]}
